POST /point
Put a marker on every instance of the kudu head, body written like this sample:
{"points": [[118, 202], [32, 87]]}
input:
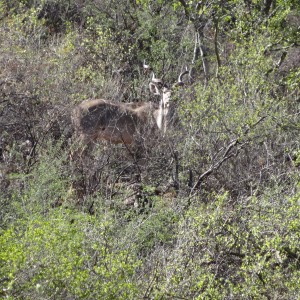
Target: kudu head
{"points": [[164, 113]]}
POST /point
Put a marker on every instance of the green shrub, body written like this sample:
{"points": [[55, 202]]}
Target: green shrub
{"points": [[248, 249], [64, 255]]}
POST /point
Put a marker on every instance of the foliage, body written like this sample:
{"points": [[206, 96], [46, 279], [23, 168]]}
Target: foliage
{"points": [[251, 251], [209, 210], [64, 255]]}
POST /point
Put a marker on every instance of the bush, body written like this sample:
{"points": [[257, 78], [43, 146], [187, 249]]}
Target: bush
{"points": [[65, 255], [209, 209]]}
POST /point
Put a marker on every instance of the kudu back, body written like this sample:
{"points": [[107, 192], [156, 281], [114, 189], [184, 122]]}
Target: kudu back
{"points": [[98, 119]]}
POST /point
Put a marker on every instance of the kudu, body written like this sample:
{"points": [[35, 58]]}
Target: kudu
{"points": [[125, 123]]}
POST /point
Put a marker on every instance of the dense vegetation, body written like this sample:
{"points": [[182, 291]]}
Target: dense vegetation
{"points": [[211, 210]]}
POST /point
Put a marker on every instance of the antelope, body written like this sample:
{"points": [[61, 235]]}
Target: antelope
{"points": [[126, 123]]}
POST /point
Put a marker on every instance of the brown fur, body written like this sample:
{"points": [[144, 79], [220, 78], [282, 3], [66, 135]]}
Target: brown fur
{"points": [[100, 119]]}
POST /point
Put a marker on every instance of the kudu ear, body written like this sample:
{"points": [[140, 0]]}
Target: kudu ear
{"points": [[154, 89], [155, 85]]}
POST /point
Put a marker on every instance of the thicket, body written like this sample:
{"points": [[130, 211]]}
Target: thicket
{"points": [[208, 211]]}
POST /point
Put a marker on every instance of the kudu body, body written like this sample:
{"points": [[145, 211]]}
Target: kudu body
{"points": [[125, 123]]}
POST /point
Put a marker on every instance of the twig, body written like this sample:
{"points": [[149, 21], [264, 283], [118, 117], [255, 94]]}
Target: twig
{"points": [[227, 155]]}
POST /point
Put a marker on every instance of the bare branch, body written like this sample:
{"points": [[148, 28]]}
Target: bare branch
{"points": [[216, 23], [227, 155]]}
